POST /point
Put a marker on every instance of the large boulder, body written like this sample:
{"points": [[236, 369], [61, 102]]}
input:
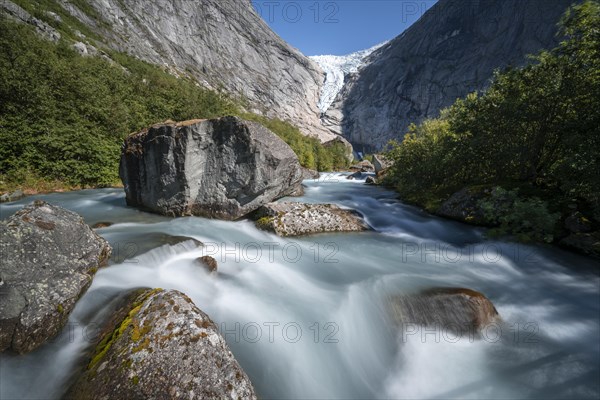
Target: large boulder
{"points": [[296, 219], [381, 163], [220, 168], [49, 257], [452, 309], [363, 166], [348, 149], [161, 346]]}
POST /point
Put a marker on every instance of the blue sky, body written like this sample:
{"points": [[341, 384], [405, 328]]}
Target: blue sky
{"points": [[339, 27]]}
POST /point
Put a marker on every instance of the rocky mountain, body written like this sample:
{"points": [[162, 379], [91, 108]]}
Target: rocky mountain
{"points": [[224, 44], [452, 50]]}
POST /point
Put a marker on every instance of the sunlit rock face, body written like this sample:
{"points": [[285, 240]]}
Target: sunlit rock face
{"points": [[221, 168], [451, 51], [224, 44]]}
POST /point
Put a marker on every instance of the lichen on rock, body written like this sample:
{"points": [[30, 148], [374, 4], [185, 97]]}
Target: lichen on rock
{"points": [[49, 257], [296, 219], [160, 345]]}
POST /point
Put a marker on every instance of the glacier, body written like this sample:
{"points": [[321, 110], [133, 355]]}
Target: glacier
{"points": [[336, 68]]}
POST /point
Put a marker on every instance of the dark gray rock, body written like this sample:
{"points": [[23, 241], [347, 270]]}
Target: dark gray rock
{"points": [[452, 50], [371, 181], [49, 257], [161, 346], [356, 175], [296, 219], [222, 168], [459, 310]]}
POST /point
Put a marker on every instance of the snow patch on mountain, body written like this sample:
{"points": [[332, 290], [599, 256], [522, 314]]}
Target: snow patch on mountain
{"points": [[336, 69]]}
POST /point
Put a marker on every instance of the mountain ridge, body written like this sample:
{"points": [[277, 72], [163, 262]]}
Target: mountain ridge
{"points": [[452, 50]]}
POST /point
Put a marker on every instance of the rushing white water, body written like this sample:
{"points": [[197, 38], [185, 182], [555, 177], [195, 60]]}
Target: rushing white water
{"points": [[308, 317]]}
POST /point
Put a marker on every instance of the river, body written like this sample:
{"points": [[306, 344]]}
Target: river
{"points": [[308, 317]]}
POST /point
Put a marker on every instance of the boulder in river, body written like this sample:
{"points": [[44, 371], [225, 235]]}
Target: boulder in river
{"points": [[371, 181], [208, 263], [221, 168], [363, 166], [162, 346], [310, 174], [381, 163], [458, 310], [296, 219], [49, 257]]}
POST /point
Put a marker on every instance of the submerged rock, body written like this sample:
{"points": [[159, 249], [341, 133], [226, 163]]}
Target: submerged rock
{"points": [[310, 174], [100, 225], [356, 175], [452, 309], [222, 168], [129, 246], [162, 346], [49, 257], [208, 263], [371, 181], [295, 219]]}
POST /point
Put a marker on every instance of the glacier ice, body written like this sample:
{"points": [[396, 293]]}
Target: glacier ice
{"points": [[336, 68]]}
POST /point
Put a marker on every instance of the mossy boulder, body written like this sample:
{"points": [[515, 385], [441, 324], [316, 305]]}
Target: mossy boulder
{"points": [[49, 257], [161, 346]]}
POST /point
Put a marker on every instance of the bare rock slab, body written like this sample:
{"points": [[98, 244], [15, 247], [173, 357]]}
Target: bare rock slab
{"points": [[222, 168], [297, 219], [49, 257], [162, 347]]}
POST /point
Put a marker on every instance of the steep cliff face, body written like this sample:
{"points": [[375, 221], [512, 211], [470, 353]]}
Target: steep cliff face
{"points": [[222, 43], [451, 51]]}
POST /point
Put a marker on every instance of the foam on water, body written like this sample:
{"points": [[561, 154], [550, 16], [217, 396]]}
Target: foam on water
{"points": [[308, 317]]}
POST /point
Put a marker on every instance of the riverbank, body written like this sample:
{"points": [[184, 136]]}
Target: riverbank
{"points": [[520, 213]]}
